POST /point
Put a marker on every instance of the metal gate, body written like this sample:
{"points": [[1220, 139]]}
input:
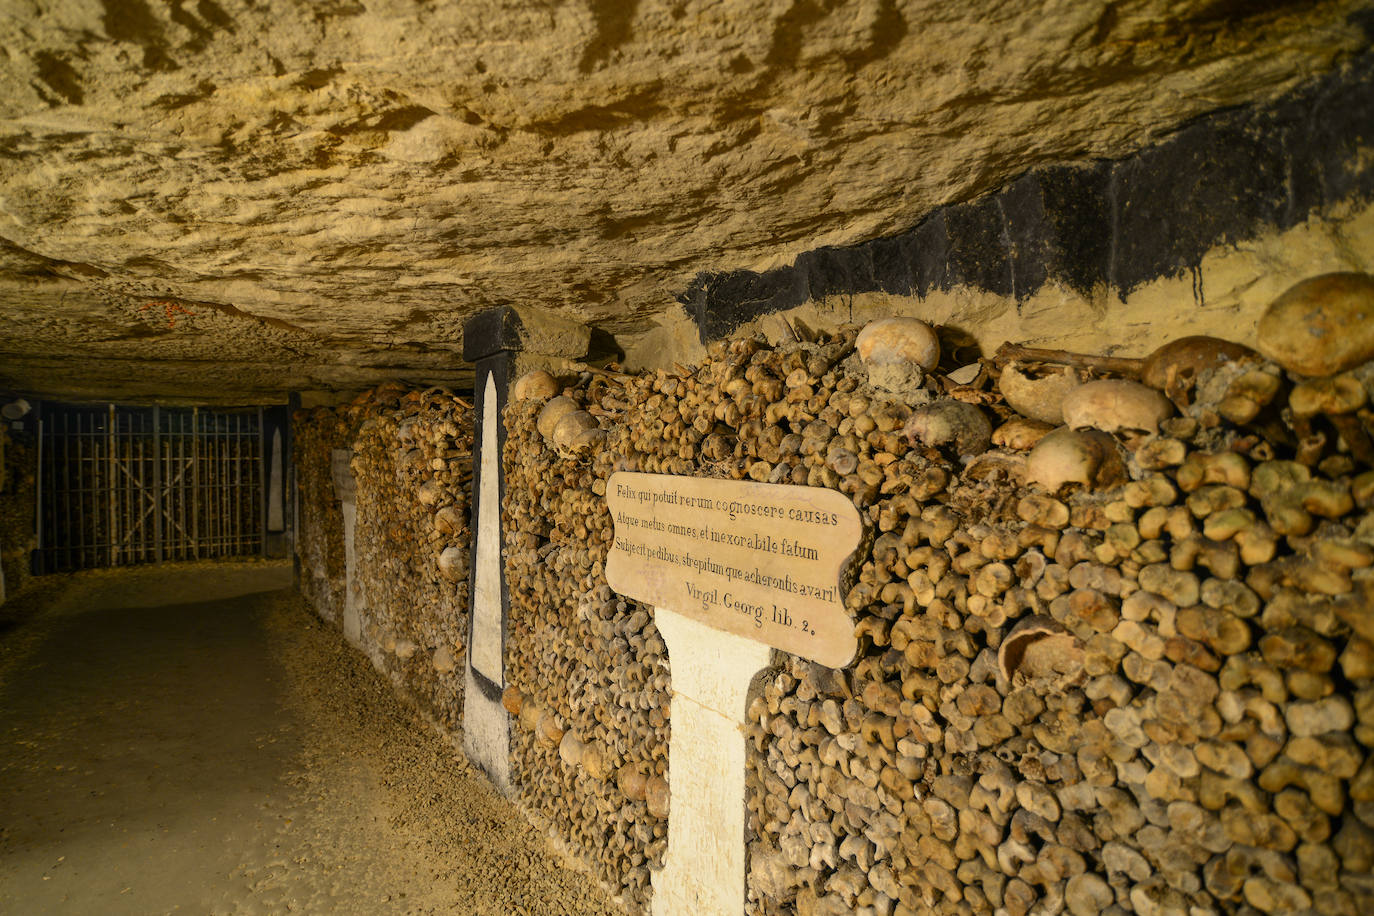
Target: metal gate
{"points": [[124, 485]]}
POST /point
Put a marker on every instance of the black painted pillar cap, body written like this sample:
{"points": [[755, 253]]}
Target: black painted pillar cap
{"points": [[488, 333], [522, 330]]}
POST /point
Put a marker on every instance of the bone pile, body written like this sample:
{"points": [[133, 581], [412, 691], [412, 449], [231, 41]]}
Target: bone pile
{"points": [[412, 464], [1116, 621], [413, 467], [587, 669]]}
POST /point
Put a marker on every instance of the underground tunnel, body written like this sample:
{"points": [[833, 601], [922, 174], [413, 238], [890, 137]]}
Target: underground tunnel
{"points": [[854, 457]]}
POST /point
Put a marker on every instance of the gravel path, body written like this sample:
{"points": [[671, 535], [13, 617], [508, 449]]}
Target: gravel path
{"points": [[233, 755]]}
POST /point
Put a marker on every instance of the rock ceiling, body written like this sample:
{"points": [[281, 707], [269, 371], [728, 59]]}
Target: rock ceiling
{"points": [[228, 199]]}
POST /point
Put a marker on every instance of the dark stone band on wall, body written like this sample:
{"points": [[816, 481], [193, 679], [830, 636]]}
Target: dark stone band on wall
{"points": [[1220, 180], [492, 332]]}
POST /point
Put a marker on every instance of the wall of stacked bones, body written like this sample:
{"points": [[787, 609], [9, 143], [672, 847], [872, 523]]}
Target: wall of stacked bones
{"points": [[412, 467], [18, 499], [1115, 619]]}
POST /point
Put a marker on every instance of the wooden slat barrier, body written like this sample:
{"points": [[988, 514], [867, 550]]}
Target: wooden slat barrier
{"points": [[124, 485]]}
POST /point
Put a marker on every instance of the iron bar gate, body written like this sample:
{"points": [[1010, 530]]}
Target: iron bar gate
{"points": [[124, 485]]}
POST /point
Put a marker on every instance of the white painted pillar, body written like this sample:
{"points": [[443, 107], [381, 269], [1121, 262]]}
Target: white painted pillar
{"points": [[353, 602], [276, 509], [486, 725], [704, 867], [499, 342], [488, 636]]}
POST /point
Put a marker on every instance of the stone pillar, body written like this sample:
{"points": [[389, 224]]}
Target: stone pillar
{"points": [[276, 461], [293, 502], [502, 343], [713, 672], [345, 488]]}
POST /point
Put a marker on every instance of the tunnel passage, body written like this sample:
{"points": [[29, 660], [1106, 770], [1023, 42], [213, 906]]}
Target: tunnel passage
{"points": [[1100, 665], [189, 738]]}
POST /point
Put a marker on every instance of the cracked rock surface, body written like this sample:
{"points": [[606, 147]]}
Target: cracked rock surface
{"points": [[229, 199]]}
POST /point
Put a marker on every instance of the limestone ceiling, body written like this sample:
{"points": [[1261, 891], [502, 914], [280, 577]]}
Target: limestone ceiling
{"points": [[228, 199]]}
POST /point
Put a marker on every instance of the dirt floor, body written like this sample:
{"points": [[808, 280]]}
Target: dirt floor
{"points": [[191, 739]]}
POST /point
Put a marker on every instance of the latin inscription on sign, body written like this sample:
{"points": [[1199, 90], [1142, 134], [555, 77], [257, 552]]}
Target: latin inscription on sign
{"points": [[758, 560]]}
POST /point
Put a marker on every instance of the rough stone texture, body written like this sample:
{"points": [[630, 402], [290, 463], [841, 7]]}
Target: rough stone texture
{"points": [[230, 199]]}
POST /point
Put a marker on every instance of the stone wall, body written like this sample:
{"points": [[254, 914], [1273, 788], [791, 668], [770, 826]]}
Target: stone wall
{"points": [[18, 502], [1123, 670], [1100, 231], [411, 465]]}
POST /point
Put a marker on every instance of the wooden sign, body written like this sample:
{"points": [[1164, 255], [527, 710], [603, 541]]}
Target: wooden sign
{"points": [[759, 560]]}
